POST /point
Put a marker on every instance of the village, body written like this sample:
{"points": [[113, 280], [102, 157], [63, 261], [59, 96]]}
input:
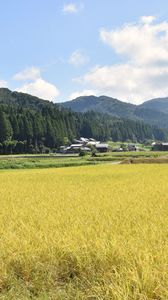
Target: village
{"points": [[87, 145]]}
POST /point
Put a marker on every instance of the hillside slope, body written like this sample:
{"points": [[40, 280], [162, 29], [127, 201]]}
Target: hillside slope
{"points": [[146, 112], [21, 99], [102, 104], [158, 104]]}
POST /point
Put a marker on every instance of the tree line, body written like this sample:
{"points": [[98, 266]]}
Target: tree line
{"points": [[27, 130]]}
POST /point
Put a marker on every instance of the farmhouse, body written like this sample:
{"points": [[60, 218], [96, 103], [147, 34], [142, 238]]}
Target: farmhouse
{"points": [[160, 146], [81, 140], [77, 147], [101, 147], [84, 144], [132, 147], [74, 148]]}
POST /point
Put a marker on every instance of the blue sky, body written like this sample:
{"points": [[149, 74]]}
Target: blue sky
{"points": [[59, 50]]}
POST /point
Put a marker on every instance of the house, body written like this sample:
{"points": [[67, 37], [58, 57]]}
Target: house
{"points": [[92, 143], [164, 147], [118, 149], [84, 144], [159, 146], [85, 149], [132, 147], [63, 149], [84, 140], [75, 148], [102, 147], [81, 140]]}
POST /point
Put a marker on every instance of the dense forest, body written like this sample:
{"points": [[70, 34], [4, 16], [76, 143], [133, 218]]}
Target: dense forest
{"points": [[37, 130]]}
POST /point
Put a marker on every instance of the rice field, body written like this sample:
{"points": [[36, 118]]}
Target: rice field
{"points": [[93, 232]]}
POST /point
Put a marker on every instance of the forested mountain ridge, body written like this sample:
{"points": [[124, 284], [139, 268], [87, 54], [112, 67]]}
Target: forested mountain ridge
{"points": [[153, 112], [32, 125], [158, 104], [22, 99]]}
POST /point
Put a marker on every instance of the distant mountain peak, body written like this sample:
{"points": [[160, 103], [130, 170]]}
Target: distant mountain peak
{"points": [[157, 104], [154, 111]]}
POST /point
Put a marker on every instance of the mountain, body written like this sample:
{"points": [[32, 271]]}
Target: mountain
{"points": [[21, 99], [152, 112], [158, 104], [32, 125], [102, 104]]}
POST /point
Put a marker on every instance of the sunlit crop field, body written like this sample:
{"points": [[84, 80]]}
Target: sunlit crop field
{"points": [[93, 232]]}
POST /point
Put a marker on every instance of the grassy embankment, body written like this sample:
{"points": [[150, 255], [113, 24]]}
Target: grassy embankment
{"points": [[38, 162], [31, 162], [98, 232]]}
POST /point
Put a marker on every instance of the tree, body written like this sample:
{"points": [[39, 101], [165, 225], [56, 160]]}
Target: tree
{"points": [[5, 127], [9, 146]]}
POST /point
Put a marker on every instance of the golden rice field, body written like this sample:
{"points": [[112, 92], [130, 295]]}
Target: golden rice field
{"points": [[95, 232]]}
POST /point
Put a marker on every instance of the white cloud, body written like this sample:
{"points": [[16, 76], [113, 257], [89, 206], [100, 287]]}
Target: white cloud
{"points": [[31, 73], [41, 89], [72, 8], [35, 84], [77, 94], [144, 73], [77, 58], [129, 82], [142, 43], [147, 19], [3, 83]]}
